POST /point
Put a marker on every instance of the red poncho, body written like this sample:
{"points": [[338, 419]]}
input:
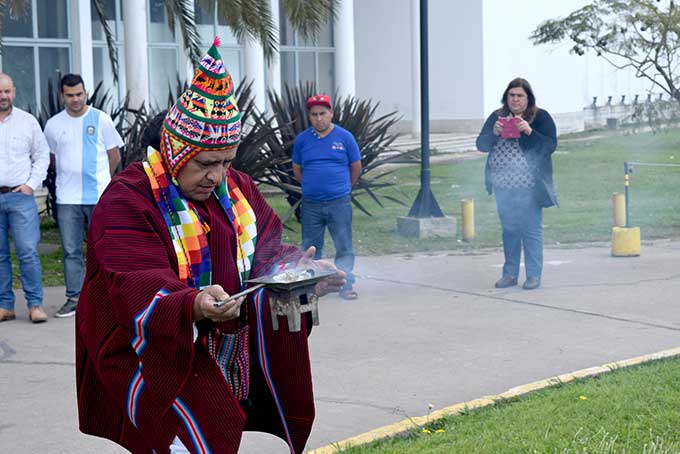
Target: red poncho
{"points": [[166, 383]]}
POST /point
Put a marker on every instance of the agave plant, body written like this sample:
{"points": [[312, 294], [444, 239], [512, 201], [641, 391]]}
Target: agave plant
{"points": [[360, 117]]}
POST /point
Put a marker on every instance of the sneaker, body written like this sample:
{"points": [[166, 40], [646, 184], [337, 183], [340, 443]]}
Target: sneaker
{"points": [[68, 309]]}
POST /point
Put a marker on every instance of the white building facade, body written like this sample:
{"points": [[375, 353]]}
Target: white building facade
{"points": [[370, 50]]}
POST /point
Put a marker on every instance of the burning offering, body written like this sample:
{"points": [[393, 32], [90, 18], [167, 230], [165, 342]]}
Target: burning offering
{"points": [[293, 276], [291, 293]]}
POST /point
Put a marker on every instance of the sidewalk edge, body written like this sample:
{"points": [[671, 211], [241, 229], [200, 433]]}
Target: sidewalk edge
{"points": [[411, 423]]}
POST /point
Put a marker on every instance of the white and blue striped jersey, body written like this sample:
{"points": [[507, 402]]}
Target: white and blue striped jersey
{"points": [[80, 146]]}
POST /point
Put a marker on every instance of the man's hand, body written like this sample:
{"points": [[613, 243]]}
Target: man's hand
{"points": [[329, 284], [204, 305], [24, 189]]}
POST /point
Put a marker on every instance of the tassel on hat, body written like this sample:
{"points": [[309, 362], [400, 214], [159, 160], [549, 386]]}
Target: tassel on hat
{"points": [[204, 117]]}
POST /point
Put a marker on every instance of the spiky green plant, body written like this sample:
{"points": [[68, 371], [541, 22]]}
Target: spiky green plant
{"points": [[360, 117]]}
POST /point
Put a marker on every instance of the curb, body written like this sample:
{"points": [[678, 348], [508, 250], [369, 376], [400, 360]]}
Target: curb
{"points": [[419, 421]]}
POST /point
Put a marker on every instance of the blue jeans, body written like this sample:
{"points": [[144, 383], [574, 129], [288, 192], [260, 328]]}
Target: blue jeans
{"points": [[337, 216], [522, 222], [19, 215], [74, 220]]}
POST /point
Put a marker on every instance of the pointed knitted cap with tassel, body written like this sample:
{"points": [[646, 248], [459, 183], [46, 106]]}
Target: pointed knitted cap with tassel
{"points": [[205, 117]]}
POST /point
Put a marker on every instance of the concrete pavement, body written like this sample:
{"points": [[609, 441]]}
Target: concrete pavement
{"points": [[427, 329]]}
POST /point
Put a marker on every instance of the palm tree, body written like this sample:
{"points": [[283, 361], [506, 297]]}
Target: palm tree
{"points": [[250, 19]]}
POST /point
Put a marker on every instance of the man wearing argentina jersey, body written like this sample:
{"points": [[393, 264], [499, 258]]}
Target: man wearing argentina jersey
{"points": [[84, 148]]}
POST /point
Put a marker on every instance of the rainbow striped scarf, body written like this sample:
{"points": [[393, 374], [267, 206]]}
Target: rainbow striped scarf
{"points": [[188, 231]]}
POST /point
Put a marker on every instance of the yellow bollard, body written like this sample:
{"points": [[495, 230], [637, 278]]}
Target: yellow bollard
{"points": [[619, 202], [626, 241], [467, 209]]}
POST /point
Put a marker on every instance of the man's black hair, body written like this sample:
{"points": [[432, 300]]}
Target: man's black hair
{"points": [[71, 80]]}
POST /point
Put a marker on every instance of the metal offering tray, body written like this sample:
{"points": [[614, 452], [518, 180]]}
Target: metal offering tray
{"points": [[291, 293]]}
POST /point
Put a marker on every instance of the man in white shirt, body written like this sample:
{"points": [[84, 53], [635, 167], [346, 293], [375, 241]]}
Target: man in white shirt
{"points": [[24, 157], [85, 150]]}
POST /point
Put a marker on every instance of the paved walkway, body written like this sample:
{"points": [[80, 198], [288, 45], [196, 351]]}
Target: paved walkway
{"points": [[428, 328]]}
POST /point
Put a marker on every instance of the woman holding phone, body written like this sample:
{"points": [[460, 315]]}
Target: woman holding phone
{"points": [[520, 139]]}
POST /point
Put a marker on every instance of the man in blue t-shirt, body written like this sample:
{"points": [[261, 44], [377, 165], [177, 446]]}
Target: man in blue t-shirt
{"points": [[327, 162]]}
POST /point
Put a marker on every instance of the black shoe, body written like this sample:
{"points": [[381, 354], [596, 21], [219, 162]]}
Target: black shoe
{"points": [[506, 281], [68, 309], [532, 283]]}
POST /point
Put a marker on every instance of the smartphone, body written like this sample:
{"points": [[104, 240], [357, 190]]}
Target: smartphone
{"points": [[221, 303]]}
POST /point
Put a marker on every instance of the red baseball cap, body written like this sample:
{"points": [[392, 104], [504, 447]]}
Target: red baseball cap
{"points": [[319, 100]]}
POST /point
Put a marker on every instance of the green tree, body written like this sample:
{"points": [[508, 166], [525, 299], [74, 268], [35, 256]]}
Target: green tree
{"points": [[639, 34]]}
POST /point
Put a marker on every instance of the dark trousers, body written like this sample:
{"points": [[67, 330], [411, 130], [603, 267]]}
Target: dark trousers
{"points": [[522, 222], [336, 214]]}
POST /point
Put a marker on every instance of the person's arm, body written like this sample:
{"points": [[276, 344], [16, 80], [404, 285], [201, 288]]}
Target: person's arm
{"points": [[354, 157], [52, 145], [112, 142], [296, 158], [354, 172], [487, 137], [114, 159], [297, 172], [543, 137], [40, 159]]}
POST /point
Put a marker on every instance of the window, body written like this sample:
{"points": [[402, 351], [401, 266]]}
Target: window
{"points": [[101, 63], [305, 61], [213, 23], [164, 52], [159, 31], [37, 48], [164, 56], [54, 63], [52, 19], [113, 19], [164, 73], [22, 70]]}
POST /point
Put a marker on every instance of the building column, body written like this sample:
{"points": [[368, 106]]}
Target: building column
{"points": [[82, 43], [343, 36], [254, 71], [136, 51], [274, 65], [415, 68]]}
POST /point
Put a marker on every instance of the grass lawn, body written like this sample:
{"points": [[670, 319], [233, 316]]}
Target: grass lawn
{"points": [[587, 173], [588, 169], [632, 410]]}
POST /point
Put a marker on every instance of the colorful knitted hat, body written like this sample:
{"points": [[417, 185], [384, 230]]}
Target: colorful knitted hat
{"points": [[205, 117]]}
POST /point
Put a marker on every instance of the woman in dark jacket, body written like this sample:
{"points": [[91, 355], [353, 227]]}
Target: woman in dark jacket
{"points": [[520, 139]]}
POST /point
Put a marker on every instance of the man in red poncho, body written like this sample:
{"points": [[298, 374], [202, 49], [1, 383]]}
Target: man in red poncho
{"points": [[159, 367]]}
